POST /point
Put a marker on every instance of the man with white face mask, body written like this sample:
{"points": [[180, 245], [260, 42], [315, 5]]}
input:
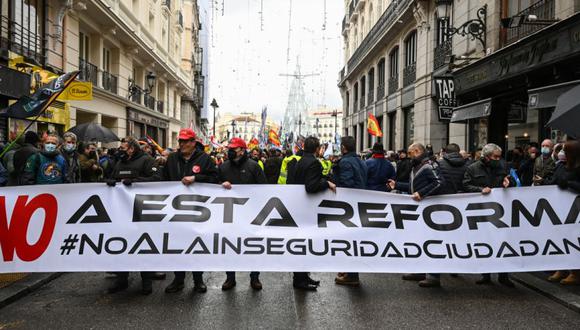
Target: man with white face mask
{"points": [[545, 164], [46, 167], [69, 151]]}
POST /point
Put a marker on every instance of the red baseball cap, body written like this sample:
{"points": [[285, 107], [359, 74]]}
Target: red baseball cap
{"points": [[186, 134], [237, 143]]}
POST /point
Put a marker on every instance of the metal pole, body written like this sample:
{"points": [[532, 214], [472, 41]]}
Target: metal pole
{"points": [[214, 134]]}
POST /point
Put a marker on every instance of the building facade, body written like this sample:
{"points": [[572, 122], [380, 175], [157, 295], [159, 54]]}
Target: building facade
{"points": [[469, 72], [244, 125], [325, 124], [507, 94], [142, 58]]}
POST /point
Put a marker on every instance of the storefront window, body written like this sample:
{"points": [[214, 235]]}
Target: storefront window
{"points": [[477, 133]]}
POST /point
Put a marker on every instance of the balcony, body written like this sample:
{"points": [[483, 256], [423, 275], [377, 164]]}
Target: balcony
{"points": [[362, 102], [135, 93], [149, 101], [110, 82], [393, 84], [371, 98], [355, 106], [543, 9], [345, 26], [89, 72], [385, 22], [22, 41], [352, 13], [180, 19], [381, 90], [160, 106], [409, 75], [441, 52]]}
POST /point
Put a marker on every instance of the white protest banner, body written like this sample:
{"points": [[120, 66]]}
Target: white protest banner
{"points": [[167, 226]]}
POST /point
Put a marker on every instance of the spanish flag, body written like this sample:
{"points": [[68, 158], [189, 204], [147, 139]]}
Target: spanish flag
{"points": [[273, 138], [373, 126], [253, 143]]}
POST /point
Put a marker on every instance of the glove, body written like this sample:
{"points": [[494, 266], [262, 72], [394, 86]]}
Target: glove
{"points": [[563, 184], [111, 182], [127, 182]]}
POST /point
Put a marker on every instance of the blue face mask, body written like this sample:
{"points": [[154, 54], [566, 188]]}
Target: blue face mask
{"points": [[70, 147], [50, 147], [545, 151]]}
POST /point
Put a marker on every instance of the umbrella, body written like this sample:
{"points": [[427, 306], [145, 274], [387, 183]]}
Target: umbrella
{"points": [[93, 132], [567, 113]]}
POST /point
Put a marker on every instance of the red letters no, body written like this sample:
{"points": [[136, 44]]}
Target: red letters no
{"points": [[13, 237]]}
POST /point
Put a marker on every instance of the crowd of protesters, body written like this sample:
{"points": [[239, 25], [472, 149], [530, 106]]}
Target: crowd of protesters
{"points": [[417, 171]]}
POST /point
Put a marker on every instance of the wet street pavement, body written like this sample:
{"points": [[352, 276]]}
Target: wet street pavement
{"points": [[80, 301]]}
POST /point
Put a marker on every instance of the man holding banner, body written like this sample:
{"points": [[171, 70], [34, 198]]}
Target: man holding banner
{"points": [[133, 165], [188, 165], [487, 173]]}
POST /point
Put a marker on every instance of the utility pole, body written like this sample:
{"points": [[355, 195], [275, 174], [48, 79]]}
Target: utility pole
{"points": [[214, 105], [335, 115], [299, 125]]}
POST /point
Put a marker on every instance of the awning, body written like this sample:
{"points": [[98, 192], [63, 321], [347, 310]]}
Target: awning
{"points": [[473, 110], [546, 97]]}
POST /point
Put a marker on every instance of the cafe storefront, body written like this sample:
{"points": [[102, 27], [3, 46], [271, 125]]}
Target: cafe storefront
{"points": [[508, 97], [141, 125]]}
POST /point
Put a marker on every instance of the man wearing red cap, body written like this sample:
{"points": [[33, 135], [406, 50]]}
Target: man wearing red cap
{"points": [[188, 165], [239, 169]]}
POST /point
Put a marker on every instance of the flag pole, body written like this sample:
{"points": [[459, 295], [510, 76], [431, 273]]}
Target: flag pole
{"points": [[48, 104]]}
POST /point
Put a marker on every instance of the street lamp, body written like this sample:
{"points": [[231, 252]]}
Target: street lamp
{"points": [[335, 115], [214, 105], [151, 78], [474, 28], [233, 128]]}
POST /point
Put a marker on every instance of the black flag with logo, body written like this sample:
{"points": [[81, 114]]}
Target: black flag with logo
{"points": [[30, 106]]}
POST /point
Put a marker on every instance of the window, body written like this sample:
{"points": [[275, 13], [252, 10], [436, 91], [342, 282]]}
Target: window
{"points": [[371, 86], [363, 86], [347, 106], [106, 60], [26, 27], [355, 97], [411, 49], [516, 6], [84, 46], [381, 83], [394, 63], [442, 28]]}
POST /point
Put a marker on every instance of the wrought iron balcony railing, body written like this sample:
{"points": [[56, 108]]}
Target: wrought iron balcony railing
{"points": [[160, 106], [441, 52], [110, 82], [393, 84], [409, 75], [89, 72], [381, 90], [149, 101], [543, 10]]}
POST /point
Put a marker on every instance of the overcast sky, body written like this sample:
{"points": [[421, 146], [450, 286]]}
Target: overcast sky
{"points": [[248, 56]]}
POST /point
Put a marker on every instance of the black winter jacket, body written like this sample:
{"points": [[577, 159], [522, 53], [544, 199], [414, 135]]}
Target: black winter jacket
{"points": [[199, 165], [479, 175], [424, 179], [308, 171], [20, 158], [272, 169], [452, 169], [245, 171], [404, 168], [139, 166]]}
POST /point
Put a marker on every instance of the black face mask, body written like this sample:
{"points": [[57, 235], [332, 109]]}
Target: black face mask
{"points": [[232, 155], [122, 155]]}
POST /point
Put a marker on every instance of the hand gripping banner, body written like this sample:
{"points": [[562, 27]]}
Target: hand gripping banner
{"points": [[167, 226]]}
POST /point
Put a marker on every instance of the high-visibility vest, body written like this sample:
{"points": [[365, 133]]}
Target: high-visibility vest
{"points": [[261, 164], [326, 166], [284, 168]]}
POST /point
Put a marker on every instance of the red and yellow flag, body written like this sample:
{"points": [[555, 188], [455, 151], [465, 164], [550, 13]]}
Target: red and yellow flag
{"points": [[373, 126], [273, 138], [253, 143]]}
